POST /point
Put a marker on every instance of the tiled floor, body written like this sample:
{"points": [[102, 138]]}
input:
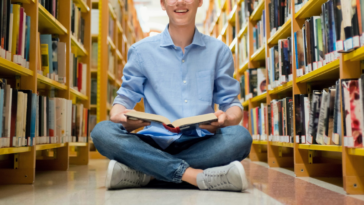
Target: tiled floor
{"points": [[85, 185]]}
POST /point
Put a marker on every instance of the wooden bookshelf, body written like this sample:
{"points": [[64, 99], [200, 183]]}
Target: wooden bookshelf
{"points": [[306, 160], [127, 31], [26, 160]]}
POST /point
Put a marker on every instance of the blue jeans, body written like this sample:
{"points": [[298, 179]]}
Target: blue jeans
{"points": [[141, 153]]}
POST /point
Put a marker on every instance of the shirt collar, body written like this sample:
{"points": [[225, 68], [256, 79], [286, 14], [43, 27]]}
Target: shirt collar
{"points": [[167, 40]]}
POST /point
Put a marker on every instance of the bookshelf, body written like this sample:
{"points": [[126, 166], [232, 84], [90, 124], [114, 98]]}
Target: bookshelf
{"points": [[306, 160], [19, 164], [125, 31]]}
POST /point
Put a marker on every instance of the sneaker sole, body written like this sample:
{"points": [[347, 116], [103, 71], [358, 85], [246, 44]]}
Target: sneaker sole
{"points": [[110, 168], [244, 180]]}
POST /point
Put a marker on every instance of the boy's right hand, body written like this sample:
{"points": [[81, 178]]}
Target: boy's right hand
{"points": [[117, 115]]}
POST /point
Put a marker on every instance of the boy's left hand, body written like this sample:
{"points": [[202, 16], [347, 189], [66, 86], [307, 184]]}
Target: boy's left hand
{"points": [[221, 116]]}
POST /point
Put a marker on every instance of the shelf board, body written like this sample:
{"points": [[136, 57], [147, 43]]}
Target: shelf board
{"points": [[259, 98], [356, 151], [282, 144], [92, 106], [77, 144], [95, 36], [48, 24], [245, 103], [50, 146], [82, 5], [78, 94], [356, 55], [311, 8], [260, 142], [257, 13], [259, 54], [111, 76], [214, 23], [78, 47], [11, 68], [118, 83], [23, 1], [93, 71], [120, 29], [329, 148], [223, 31], [232, 14], [119, 56], [14, 150], [243, 68], [112, 12], [111, 43], [282, 33], [330, 70], [243, 31], [233, 45], [282, 88], [47, 82]]}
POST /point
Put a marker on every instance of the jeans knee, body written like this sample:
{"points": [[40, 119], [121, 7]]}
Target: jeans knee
{"points": [[100, 131], [240, 137]]}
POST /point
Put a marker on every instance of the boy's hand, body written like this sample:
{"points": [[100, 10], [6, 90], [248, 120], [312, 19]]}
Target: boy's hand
{"points": [[129, 125], [221, 118]]}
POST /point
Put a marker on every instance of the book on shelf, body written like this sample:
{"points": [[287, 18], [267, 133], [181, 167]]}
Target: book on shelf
{"points": [[243, 20], [243, 50], [78, 74], [250, 6], [298, 4], [52, 6], [94, 54], [259, 36], [77, 24], [245, 119], [279, 13], [176, 126], [93, 91], [111, 92], [95, 13], [242, 88], [258, 120], [15, 33]]}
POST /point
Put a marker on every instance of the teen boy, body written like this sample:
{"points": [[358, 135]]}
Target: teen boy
{"points": [[179, 73]]}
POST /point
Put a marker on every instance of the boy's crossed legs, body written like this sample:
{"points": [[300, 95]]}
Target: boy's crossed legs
{"points": [[193, 165]]}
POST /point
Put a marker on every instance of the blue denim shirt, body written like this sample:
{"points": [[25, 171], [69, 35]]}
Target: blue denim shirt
{"points": [[176, 84]]}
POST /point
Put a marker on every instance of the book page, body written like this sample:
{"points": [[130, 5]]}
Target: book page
{"points": [[147, 117], [195, 120]]}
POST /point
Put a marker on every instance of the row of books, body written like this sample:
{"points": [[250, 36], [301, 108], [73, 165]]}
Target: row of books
{"points": [[15, 33], [78, 75], [77, 24], [28, 118], [279, 63], [250, 6], [52, 6], [111, 92], [243, 50], [298, 4], [259, 37], [52, 58], [279, 13], [253, 82], [242, 18]]}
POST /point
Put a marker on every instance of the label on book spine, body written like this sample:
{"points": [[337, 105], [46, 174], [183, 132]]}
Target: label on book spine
{"points": [[339, 46], [299, 72], [319, 64], [297, 139], [290, 77], [303, 139], [2, 53], [356, 42], [362, 39], [348, 44], [314, 65]]}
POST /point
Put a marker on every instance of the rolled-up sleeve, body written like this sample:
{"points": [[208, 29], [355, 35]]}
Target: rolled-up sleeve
{"points": [[132, 87], [226, 88]]}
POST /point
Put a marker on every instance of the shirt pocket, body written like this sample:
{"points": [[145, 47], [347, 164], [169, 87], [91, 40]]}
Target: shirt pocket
{"points": [[204, 85]]}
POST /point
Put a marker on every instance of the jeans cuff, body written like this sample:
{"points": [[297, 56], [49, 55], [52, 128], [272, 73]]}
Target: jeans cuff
{"points": [[177, 178]]}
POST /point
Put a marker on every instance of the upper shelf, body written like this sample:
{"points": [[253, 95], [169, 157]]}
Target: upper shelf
{"points": [[10, 68], [329, 148], [79, 50], [243, 68], [356, 55], [257, 13], [282, 33], [259, 98], [311, 8], [282, 88], [45, 83], [232, 14], [78, 94], [243, 31], [48, 24], [328, 71], [14, 150], [82, 5], [233, 45], [259, 54], [50, 146]]}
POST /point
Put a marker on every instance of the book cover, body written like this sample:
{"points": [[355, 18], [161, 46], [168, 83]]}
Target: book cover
{"points": [[336, 133], [320, 136], [320, 47], [1, 108], [280, 118], [298, 118], [7, 111], [276, 118], [262, 82], [62, 72], [360, 6], [276, 64], [19, 118], [300, 57], [23, 128], [19, 47], [290, 113], [51, 117], [269, 119], [46, 50], [9, 34], [16, 25], [79, 121], [354, 124], [4, 12], [55, 55], [14, 107], [314, 116], [27, 46], [330, 118], [28, 113], [253, 81], [346, 10]]}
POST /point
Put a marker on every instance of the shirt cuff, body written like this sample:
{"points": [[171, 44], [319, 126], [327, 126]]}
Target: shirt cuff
{"points": [[126, 102], [236, 102]]}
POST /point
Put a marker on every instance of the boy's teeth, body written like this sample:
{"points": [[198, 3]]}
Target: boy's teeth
{"points": [[180, 11]]}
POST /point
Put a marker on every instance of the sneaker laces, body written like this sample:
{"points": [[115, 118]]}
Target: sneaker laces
{"points": [[133, 177], [216, 179]]}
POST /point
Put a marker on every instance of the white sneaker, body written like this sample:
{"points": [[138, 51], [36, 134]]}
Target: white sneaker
{"points": [[228, 178], [120, 176]]}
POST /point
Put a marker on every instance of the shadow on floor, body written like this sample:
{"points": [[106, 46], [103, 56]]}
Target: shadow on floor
{"points": [[169, 185]]}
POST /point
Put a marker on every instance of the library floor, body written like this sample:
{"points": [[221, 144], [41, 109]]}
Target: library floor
{"points": [[85, 185]]}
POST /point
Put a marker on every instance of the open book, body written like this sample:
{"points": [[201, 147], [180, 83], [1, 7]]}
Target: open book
{"points": [[181, 124]]}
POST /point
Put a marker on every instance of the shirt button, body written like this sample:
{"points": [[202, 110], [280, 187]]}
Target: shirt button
{"points": [[184, 82], [185, 101], [183, 61]]}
